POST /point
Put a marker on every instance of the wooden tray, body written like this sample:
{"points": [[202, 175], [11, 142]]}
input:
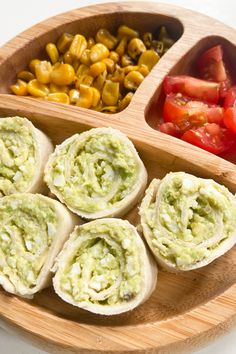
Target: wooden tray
{"points": [[186, 310]]}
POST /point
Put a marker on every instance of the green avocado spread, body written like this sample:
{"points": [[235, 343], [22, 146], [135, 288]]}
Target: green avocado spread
{"points": [[94, 173], [27, 227], [104, 268], [17, 155], [189, 218]]}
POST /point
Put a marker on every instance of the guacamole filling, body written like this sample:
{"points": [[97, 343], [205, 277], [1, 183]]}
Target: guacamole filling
{"points": [[27, 228], [104, 268], [17, 155], [94, 173], [189, 218]]}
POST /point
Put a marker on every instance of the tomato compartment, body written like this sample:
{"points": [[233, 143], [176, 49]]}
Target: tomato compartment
{"points": [[196, 92]]}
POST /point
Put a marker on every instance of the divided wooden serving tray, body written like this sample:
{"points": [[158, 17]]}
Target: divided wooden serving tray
{"points": [[186, 310]]}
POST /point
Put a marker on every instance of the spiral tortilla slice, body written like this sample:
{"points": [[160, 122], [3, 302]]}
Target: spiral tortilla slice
{"points": [[24, 151], [188, 221], [97, 173], [33, 229], [104, 268]]}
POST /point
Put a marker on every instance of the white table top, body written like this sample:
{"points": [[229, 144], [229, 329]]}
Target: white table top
{"points": [[16, 16]]}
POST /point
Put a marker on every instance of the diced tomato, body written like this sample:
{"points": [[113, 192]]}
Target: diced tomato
{"points": [[187, 113], [230, 98], [210, 137], [192, 87], [170, 129], [211, 67], [230, 118]]}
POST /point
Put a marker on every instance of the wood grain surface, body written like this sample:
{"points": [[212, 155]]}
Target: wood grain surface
{"points": [[186, 310]]}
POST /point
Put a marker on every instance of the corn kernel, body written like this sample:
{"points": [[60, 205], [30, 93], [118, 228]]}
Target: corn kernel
{"points": [[59, 97], [91, 42], [68, 58], [53, 88], [86, 80], [105, 37], [32, 65], [85, 57], [78, 45], [64, 42], [143, 69], [110, 65], [85, 97], [110, 93], [37, 89], [158, 47], [125, 101], [147, 39], [100, 81], [133, 79], [129, 68], [98, 52], [97, 68], [20, 88], [96, 97], [52, 52], [114, 56], [148, 58], [121, 48], [126, 60], [43, 72], [109, 109], [135, 48], [118, 75], [74, 96], [82, 70], [64, 74], [25, 75], [127, 31], [98, 107]]}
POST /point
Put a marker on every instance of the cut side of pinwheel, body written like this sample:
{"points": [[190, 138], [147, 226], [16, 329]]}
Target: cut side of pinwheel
{"points": [[105, 268], [97, 173], [33, 229], [24, 151], [188, 221]]}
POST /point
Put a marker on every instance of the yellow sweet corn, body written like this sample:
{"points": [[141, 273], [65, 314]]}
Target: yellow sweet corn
{"points": [[91, 42], [82, 70], [127, 32], [143, 69], [109, 109], [99, 81], [85, 99], [118, 75], [132, 80], [86, 80], [105, 37], [85, 57], [125, 101], [147, 39], [135, 48], [64, 42], [96, 97], [43, 72], [148, 58], [68, 58], [74, 96], [126, 60], [32, 65], [110, 65], [52, 52], [158, 47], [114, 56], [78, 45], [19, 88], [121, 48], [53, 88], [25, 75], [98, 107], [37, 89], [110, 93], [59, 97], [129, 68], [97, 68], [98, 52], [63, 74]]}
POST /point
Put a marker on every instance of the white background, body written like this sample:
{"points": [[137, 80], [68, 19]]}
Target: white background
{"points": [[16, 16]]}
